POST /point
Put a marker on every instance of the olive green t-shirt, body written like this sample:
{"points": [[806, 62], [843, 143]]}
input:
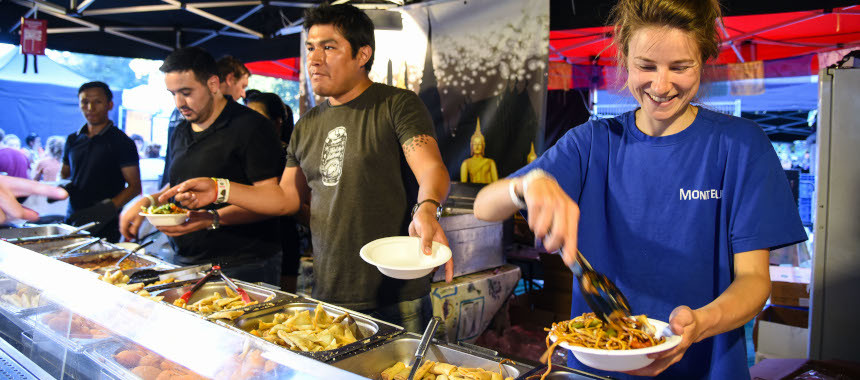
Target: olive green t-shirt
{"points": [[352, 158]]}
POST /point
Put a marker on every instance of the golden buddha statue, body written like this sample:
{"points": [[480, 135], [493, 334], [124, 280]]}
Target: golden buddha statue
{"points": [[478, 169], [532, 156]]}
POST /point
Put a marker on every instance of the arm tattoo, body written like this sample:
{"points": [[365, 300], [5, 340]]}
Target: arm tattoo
{"points": [[413, 144]]}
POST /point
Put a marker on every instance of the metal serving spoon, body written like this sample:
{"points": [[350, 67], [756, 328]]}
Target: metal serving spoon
{"points": [[600, 293]]}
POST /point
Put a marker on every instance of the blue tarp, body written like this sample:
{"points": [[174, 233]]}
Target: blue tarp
{"points": [[45, 103]]}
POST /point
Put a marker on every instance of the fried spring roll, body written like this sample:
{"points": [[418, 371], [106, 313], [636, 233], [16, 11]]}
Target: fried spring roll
{"points": [[389, 373]]}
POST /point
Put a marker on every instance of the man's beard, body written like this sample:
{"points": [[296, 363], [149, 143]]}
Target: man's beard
{"points": [[204, 113]]}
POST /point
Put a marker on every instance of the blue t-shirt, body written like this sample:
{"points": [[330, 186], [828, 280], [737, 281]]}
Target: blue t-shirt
{"points": [[663, 216]]}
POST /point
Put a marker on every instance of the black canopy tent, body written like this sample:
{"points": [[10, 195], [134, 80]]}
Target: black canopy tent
{"points": [[252, 30]]}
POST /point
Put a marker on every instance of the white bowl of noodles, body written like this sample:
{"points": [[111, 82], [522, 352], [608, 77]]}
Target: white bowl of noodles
{"points": [[621, 360]]}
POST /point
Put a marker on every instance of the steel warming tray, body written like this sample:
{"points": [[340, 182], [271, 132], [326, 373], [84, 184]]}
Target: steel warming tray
{"points": [[265, 297], [99, 261], [59, 246], [561, 373], [36, 231], [374, 360], [371, 329]]}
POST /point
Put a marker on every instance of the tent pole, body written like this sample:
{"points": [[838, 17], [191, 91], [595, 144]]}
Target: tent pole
{"points": [[136, 9], [82, 6], [17, 24], [224, 29], [585, 43], [204, 14], [812, 15]]}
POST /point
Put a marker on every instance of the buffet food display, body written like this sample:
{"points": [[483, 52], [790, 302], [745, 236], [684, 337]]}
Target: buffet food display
{"points": [[74, 323]]}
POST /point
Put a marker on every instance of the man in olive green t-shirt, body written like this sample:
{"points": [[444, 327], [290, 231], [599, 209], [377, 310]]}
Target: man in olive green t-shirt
{"points": [[350, 158]]}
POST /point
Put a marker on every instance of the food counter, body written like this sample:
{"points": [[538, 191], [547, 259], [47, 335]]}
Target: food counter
{"points": [[58, 312]]}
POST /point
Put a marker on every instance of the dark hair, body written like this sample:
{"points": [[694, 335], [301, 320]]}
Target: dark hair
{"points": [[31, 138], [251, 92], [228, 65], [199, 61], [276, 108], [353, 24], [153, 151], [696, 17], [97, 84]]}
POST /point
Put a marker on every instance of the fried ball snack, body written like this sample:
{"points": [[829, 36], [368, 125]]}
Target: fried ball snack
{"points": [[430, 370], [149, 365], [217, 307], [301, 332], [76, 326]]}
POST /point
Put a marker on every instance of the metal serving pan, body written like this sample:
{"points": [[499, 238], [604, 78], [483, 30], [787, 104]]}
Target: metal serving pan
{"points": [[35, 231], [59, 246], [97, 262], [372, 361], [9, 286], [259, 294], [561, 373], [371, 329]]}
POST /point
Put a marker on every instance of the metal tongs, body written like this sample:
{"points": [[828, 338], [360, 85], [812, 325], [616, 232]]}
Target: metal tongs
{"points": [[422, 346], [600, 293], [138, 248], [216, 270]]}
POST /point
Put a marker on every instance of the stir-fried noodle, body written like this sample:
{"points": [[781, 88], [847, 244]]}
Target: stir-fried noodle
{"points": [[589, 331]]}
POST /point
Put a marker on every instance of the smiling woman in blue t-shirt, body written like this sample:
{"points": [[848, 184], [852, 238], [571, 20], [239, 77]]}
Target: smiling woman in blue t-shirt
{"points": [[676, 204]]}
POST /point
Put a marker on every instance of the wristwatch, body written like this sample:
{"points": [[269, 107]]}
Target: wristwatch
{"points": [[438, 208], [216, 220]]}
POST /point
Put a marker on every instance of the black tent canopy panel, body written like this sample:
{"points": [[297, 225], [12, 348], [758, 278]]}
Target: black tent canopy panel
{"points": [[253, 30]]}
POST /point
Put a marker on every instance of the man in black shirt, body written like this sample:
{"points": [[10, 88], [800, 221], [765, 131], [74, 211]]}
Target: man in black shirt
{"points": [[218, 138], [102, 163]]}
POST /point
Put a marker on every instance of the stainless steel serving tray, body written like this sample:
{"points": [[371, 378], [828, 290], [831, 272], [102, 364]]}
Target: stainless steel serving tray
{"points": [[373, 360], [560, 373], [84, 260], [372, 329], [59, 246], [257, 293], [30, 232]]}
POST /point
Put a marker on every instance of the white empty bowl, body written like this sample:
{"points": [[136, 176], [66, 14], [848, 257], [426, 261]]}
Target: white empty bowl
{"points": [[621, 360], [165, 220], [401, 257]]}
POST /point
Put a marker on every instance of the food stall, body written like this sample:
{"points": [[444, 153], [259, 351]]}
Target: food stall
{"points": [[75, 316]]}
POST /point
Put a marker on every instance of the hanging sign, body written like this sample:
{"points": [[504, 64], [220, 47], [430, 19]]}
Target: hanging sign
{"points": [[34, 36]]}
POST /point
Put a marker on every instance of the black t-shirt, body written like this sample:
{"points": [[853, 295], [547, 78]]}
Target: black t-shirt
{"points": [[96, 165], [240, 146]]}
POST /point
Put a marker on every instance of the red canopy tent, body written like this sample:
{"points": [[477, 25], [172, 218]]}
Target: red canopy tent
{"points": [[287, 68], [745, 38]]}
